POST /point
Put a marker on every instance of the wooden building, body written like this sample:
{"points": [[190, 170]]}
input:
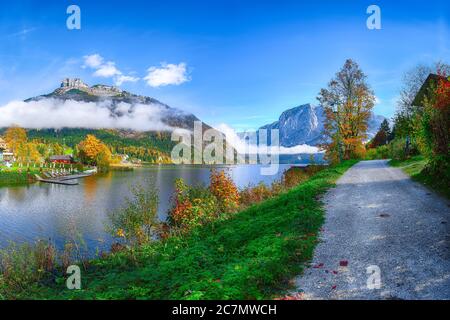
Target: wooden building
{"points": [[66, 159]]}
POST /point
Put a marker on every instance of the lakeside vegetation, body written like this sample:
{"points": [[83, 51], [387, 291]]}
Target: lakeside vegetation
{"points": [[416, 168], [32, 155], [15, 178], [239, 254], [103, 148], [420, 136], [418, 139], [150, 147]]}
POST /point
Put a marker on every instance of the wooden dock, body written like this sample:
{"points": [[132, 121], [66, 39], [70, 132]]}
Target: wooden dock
{"points": [[56, 181], [75, 176], [63, 180]]}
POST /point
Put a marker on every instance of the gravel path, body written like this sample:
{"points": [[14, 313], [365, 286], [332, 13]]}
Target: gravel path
{"points": [[378, 216]]}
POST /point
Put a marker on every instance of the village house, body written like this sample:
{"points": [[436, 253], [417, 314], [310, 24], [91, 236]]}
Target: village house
{"points": [[428, 88], [2, 148], [123, 158], [5, 154], [66, 159]]}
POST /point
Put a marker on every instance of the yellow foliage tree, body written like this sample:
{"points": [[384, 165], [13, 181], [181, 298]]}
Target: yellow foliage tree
{"points": [[15, 137], [347, 101], [28, 153], [94, 151]]}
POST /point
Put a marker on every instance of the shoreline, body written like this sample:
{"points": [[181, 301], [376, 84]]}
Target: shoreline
{"points": [[15, 179], [285, 242]]}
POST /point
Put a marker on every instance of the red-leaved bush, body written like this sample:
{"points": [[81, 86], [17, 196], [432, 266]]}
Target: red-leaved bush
{"points": [[197, 205], [442, 91], [225, 191]]}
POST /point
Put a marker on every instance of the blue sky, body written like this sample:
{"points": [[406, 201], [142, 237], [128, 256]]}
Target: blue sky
{"points": [[241, 62]]}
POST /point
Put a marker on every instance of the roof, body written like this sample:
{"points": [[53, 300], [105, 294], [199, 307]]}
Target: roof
{"points": [[424, 91], [61, 157]]}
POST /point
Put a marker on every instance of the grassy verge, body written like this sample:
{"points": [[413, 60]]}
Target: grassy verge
{"points": [[414, 167], [13, 178], [249, 256]]}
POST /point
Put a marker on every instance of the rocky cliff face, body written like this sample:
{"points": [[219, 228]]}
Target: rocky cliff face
{"points": [[374, 125], [304, 125], [76, 84]]}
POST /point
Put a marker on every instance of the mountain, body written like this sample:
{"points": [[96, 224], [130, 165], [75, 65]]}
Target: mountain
{"points": [[300, 125], [304, 125], [113, 97], [131, 124], [374, 125]]}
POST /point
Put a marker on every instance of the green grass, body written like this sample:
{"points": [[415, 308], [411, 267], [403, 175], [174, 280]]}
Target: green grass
{"points": [[252, 255], [13, 178], [415, 166]]}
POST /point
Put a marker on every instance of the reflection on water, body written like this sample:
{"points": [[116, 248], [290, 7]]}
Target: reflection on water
{"points": [[57, 212]]}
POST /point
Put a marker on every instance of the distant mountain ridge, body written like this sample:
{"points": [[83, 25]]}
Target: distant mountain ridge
{"points": [[304, 125], [147, 141], [75, 89]]}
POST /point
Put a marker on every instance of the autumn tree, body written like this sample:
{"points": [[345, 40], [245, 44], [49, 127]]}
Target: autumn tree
{"points": [[347, 101], [433, 132], [383, 135], [379, 139], [104, 158], [224, 189], [28, 153], [57, 149], [25, 151], [384, 126], [407, 113], [15, 137], [92, 151]]}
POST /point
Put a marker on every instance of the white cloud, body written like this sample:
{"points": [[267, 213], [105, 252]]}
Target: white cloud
{"points": [[167, 74], [122, 79], [244, 147], [106, 69], [53, 113], [303, 148], [22, 32], [93, 60], [377, 100]]}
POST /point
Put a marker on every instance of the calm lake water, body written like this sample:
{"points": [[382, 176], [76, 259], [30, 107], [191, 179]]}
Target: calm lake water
{"points": [[59, 213]]}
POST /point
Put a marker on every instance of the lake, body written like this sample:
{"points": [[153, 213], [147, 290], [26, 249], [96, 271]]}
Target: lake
{"points": [[61, 213]]}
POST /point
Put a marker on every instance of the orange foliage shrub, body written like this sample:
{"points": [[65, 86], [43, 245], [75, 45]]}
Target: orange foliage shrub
{"points": [[226, 192], [182, 213], [291, 178], [252, 195], [194, 206], [182, 216], [294, 176]]}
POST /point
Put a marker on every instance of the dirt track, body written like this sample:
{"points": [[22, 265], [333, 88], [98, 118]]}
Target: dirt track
{"points": [[378, 216]]}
